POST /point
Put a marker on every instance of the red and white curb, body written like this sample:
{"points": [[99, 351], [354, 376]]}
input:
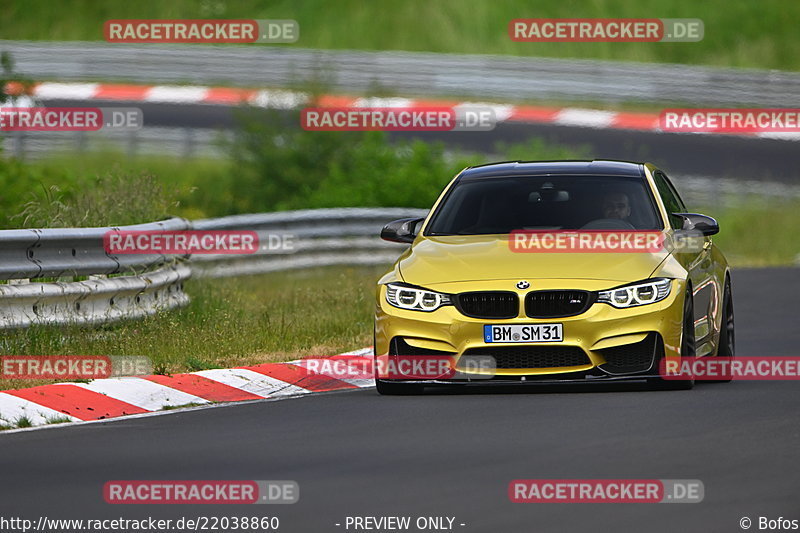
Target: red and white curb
{"points": [[284, 99], [114, 397]]}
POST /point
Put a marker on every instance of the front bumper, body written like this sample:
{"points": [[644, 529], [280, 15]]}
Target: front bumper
{"points": [[603, 333]]}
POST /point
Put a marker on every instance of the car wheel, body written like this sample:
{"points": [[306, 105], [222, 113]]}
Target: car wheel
{"points": [[727, 339], [388, 388], [687, 348]]}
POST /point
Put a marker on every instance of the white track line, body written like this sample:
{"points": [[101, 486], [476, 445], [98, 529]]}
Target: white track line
{"points": [[67, 91], [383, 102], [590, 118], [279, 99], [501, 112], [178, 95]]}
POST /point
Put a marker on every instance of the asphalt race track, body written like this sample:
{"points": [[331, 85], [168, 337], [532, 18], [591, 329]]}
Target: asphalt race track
{"points": [[359, 454]]}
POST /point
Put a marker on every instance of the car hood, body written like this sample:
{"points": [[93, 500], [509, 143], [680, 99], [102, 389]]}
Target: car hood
{"points": [[433, 260]]}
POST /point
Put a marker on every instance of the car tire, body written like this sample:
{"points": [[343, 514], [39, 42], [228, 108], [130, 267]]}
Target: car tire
{"points": [[726, 347], [388, 388], [687, 348]]}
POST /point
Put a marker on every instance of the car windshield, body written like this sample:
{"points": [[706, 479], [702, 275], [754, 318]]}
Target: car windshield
{"points": [[499, 205]]}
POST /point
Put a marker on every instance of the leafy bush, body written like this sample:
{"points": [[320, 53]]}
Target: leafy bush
{"points": [[280, 166]]}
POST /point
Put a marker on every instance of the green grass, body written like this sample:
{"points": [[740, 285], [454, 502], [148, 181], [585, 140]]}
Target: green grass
{"points": [[97, 188], [23, 422], [741, 33], [184, 406], [760, 234], [230, 322], [58, 420]]}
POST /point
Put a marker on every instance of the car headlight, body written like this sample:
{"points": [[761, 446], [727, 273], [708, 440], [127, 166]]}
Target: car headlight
{"points": [[415, 299], [642, 293]]}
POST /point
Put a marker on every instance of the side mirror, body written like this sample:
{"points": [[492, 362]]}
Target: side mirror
{"points": [[403, 230], [704, 224]]}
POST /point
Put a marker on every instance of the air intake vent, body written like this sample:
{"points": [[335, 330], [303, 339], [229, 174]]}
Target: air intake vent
{"points": [[488, 304], [517, 357], [555, 304]]}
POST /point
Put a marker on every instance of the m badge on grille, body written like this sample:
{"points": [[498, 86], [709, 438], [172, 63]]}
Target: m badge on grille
{"points": [[523, 284]]}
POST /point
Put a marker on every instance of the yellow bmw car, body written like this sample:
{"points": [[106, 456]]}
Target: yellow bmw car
{"points": [[555, 271]]}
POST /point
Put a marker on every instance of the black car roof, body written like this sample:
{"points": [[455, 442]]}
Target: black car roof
{"points": [[546, 168]]}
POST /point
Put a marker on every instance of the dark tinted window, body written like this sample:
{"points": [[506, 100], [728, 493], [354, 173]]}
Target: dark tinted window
{"points": [[672, 201], [503, 204]]}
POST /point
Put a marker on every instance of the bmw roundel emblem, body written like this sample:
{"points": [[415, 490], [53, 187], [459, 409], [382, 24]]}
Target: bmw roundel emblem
{"points": [[523, 284]]}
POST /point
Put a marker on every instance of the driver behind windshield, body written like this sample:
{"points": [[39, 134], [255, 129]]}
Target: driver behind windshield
{"points": [[616, 205]]}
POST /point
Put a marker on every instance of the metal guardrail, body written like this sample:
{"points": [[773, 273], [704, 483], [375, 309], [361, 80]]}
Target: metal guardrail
{"points": [[479, 76], [41, 253], [319, 237], [93, 301], [143, 284]]}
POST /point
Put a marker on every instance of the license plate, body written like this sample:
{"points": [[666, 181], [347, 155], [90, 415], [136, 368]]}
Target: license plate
{"points": [[523, 333]]}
